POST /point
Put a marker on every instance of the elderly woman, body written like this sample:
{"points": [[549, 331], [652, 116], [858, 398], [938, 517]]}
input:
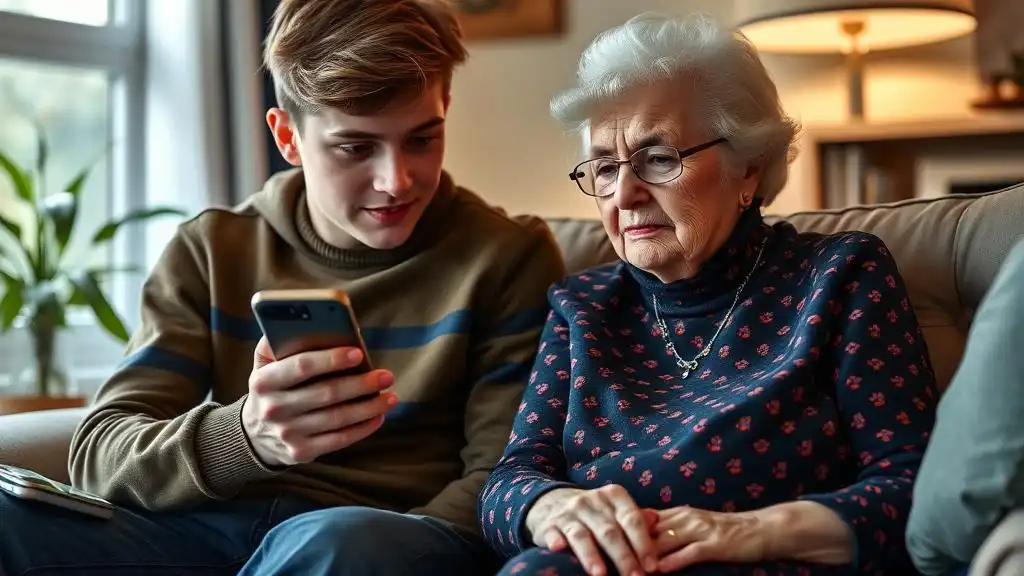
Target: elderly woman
{"points": [[730, 396]]}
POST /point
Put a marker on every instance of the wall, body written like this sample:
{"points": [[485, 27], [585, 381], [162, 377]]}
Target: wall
{"points": [[503, 144], [501, 141]]}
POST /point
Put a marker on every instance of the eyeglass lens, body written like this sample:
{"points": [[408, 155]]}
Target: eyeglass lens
{"points": [[654, 165]]}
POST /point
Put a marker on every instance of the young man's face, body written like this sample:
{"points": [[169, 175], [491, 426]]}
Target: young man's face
{"points": [[368, 178]]}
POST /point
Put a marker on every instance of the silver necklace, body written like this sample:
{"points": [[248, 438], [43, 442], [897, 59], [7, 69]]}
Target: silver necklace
{"points": [[688, 366]]}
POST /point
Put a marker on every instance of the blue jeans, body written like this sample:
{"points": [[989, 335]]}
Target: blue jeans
{"points": [[281, 536]]}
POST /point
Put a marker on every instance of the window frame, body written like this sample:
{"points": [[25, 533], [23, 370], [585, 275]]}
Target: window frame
{"points": [[119, 49]]}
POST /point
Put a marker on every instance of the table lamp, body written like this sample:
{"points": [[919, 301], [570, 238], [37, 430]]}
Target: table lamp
{"points": [[851, 27]]}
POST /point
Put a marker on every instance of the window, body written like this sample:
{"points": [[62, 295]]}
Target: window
{"points": [[89, 12], [71, 107], [75, 68]]}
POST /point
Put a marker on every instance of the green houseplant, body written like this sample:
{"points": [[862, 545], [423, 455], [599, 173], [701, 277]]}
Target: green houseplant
{"points": [[39, 283]]}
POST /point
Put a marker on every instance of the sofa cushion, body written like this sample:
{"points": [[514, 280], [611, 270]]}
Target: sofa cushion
{"points": [[39, 441], [948, 249]]}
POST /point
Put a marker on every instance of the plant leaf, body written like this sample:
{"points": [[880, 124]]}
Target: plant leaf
{"points": [[77, 297], [12, 249], [108, 230], [21, 179], [13, 301], [8, 267], [90, 291], [65, 218], [61, 209], [12, 227]]}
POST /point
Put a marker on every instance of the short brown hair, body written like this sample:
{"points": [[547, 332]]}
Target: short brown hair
{"points": [[359, 55]]}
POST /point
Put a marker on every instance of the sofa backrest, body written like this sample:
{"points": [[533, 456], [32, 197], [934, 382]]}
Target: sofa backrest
{"points": [[948, 249]]}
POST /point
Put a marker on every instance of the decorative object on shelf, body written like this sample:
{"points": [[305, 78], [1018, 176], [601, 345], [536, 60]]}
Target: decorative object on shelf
{"points": [[999, 49], [853, 28], [40, 284], [505, 19]]}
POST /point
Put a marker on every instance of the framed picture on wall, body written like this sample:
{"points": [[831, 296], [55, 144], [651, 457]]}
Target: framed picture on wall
{"points": [[507, 19]]}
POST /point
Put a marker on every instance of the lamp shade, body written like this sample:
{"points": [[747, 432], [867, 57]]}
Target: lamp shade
{"points": [[816, 26]]}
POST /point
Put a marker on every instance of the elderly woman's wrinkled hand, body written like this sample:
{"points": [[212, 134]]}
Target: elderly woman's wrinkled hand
{"points": [[688, 536], [589, 521]]}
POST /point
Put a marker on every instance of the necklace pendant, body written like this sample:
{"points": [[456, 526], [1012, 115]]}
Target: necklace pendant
{"points": [[688, 366]]}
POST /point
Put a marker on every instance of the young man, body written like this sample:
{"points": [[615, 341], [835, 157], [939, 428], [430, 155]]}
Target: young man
{"points": [[220, 461]]}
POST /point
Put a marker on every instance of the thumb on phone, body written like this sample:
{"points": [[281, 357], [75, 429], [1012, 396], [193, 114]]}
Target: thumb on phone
{"points": [[262, 355]]}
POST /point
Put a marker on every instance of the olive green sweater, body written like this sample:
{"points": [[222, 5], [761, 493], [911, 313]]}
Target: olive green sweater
{"points": [[455, 313]]}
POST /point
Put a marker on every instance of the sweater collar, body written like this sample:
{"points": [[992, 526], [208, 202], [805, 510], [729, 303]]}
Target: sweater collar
{"points": [[719, 276], [283, 203]]}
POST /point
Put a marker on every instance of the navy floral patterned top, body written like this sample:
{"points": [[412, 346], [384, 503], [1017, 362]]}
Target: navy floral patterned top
{"points": [[819, 388]]}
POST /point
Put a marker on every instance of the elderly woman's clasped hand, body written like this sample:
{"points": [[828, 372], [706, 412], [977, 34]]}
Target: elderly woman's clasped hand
{"points": [[640, 540], [688, 536], [589, 521], [647, 541]]}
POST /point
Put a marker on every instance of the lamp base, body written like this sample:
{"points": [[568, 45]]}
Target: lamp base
{"points": [[855, 85]]}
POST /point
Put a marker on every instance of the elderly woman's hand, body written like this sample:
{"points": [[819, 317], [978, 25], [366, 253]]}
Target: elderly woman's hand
{"points": [[802, 531], [588, 521], [688, 536]]}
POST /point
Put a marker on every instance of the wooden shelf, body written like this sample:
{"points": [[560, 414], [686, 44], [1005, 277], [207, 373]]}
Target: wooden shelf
{"points": [[877, 162], [974, 125]]}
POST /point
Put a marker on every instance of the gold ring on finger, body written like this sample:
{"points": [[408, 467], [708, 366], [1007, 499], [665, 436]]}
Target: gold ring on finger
{"points": [[671, 533]]}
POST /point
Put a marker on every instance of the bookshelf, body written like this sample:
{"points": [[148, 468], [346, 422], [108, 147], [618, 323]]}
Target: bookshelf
{"points": [[867, 163]]}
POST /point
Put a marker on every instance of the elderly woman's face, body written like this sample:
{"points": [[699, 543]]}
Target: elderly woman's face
{"points": [[666, 229]]}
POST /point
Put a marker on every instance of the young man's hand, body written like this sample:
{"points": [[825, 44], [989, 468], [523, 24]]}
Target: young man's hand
{"points": [[296, 411]]}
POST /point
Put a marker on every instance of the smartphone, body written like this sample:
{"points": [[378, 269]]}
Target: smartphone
{"points": [[296, 321], [28, 485]]}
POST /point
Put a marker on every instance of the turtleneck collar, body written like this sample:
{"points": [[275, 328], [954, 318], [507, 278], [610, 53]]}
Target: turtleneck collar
{"points": [[719, 276], [283, 203]]}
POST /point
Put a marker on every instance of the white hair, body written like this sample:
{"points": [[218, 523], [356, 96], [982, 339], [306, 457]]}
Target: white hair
{"points": [[738, 100]]}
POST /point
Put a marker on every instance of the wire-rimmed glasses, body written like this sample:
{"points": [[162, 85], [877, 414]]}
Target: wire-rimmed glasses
{"points": [[599, 177]]}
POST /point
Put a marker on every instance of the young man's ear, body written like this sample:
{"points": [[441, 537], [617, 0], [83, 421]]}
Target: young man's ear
{"points": [[286, 135]]}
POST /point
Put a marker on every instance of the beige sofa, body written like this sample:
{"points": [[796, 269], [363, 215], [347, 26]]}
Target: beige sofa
{"points": [[948, 250]]}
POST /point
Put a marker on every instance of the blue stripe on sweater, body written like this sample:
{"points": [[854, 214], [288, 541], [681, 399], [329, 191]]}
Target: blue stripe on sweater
{"points": [[387, 338], [168, 361], [237, 327], [391, 337], [398, 337]]}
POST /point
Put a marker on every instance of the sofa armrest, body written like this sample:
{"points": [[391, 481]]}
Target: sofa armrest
{"points": [[39, 441], [1002, 554]]}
